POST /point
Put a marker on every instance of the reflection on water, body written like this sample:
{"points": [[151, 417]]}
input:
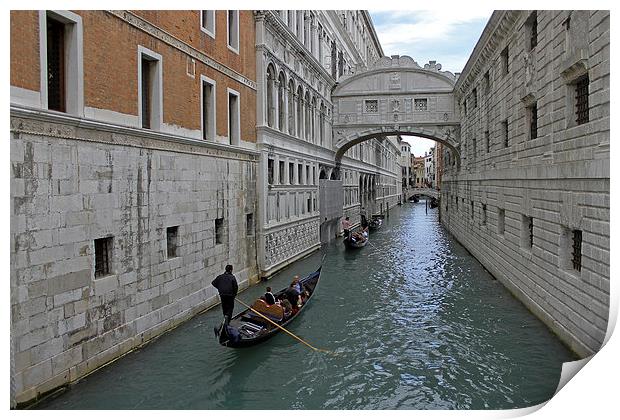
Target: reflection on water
{"points": [[416, 322]]}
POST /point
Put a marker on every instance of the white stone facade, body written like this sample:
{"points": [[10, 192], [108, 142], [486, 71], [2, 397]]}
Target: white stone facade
{"points": [[531, 200], [75, 181]]}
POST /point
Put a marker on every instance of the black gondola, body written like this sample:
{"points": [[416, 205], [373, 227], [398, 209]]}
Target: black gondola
{"points": [[350, 244], [248, 328], [433, 203], [414, 198], [375, 223]]}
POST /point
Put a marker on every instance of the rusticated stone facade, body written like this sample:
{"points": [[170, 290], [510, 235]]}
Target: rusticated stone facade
{"points": [[531, 199]]}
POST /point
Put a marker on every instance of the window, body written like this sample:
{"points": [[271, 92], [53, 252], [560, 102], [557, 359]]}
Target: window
{"points": [[576, 251], [474, 95], [487, 141], [207, 108], [420, 104], [473, 149], [505, 132], [150, 88], [487, 83], [581, 100], [309, 204], [300, 169], [371, 106], [103, 256], [465, 106], [233, 30], [484, 215], [532, 26], [281, 171], [219, 231], [471, 214], [249, 224], [171, 241], [56, 65], [291, 173], [501, 216], [233, 117], [207, 22], [270, 164], [62, 74], [533, 120], [527, 231], [505, 61]]}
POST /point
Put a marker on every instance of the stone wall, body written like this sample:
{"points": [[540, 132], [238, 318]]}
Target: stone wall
{"points": [[558, 177], [73, 182]]}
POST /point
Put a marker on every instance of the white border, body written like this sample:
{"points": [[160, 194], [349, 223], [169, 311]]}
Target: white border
{"points": [[211, 136], [230, 137], [230, 47], [202, 27], [158, 112]]}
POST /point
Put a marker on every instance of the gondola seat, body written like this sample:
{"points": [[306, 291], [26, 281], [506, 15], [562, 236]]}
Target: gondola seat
{"points": [[274, 312]]}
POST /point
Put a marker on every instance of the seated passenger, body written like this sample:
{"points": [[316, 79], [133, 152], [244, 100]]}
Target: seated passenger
{"points": [[269, 297], [288, 309]]}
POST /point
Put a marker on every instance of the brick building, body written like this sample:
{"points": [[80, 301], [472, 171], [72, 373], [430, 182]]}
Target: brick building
{"points": [[133, 172]]}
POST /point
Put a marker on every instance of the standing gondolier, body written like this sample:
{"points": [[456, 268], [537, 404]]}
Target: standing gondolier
{"points": [[226, 285], [346, 227]]}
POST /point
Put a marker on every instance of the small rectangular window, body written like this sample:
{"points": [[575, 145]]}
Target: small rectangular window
{"points": [[147, 96], [103, 256], [471, 215], [484, 215], [487, 140], [487, 82], [576, 251], [219, 231], [309, 203], [281, 171], [505, 132], [473, 149], [150, 87], [532, 25], [501, 216], [505, 61], [249, 224], [300, 169], [581, 100], [533, 120], [234, 130], [233, 30], [270, 164], [207, 22], [171, 241], [474, 97], [527, 231], [291, 173]]}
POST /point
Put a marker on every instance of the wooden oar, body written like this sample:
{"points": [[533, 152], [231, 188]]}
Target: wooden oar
{"points": [[282, 328]]}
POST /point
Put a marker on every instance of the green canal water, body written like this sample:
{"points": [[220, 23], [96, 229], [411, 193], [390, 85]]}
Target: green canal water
{"points": [[415, 320]]}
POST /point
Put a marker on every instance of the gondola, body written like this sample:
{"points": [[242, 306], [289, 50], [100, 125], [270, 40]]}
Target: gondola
{"points": [[248, 328], [348, 243], [433, 203], [414, 199], [375, 223]]}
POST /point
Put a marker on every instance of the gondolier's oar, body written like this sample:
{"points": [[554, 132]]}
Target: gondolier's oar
{"points": [[283, 329]]}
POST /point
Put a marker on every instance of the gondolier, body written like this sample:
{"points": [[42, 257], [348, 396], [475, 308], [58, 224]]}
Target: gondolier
{"points": [[226, 285], [346, 227]]}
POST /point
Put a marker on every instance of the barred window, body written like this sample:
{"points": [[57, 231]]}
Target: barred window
{"points": [[576, 260], [103, 256], [219, 231], [533, 111], [372, 106], [421, 104], [581, 102]]}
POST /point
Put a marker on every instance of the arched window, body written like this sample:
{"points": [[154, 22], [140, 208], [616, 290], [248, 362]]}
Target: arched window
{"points": [[307, 122], [322, 124], [271, 106], [313, 121], [281, 99], [291, 107]]}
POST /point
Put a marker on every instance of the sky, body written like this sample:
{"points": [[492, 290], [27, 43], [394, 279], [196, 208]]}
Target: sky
{"points": [[446, 35]]}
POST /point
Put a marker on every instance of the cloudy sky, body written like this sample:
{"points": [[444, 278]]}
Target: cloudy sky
{"points": [[447, 36]]}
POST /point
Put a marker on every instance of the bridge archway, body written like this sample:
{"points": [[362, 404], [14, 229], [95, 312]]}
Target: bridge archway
{"points": [[396, 96]]}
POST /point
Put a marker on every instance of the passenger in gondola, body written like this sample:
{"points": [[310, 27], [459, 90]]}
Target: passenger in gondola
{"points": [[269, 297], [294, 296], [286, 305]]}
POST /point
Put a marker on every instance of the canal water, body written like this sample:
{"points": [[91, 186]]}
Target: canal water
{"points": [[415, 321]]}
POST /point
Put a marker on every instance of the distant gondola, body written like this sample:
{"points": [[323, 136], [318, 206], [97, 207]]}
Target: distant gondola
{"points": [[375, 223], [433, 203], [414, 199], [248, 328]]}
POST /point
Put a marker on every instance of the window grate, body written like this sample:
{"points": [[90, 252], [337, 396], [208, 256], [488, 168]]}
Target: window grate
{"points": [[577, 250], [171, 241], [531, 230], [534, 122], [581, 91]]}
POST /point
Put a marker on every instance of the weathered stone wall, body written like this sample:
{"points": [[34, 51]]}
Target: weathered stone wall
{"points": [[73, 183], [560, 178]]}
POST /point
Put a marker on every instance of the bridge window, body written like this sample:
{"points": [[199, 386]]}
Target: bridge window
{"points": [[371, 106], [421, 104]]}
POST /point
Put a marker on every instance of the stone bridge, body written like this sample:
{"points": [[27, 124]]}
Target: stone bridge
{"points": [[396, 96], [428, 192]]}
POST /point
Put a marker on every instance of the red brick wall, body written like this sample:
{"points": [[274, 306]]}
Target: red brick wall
{"points": [[25, 49]]}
